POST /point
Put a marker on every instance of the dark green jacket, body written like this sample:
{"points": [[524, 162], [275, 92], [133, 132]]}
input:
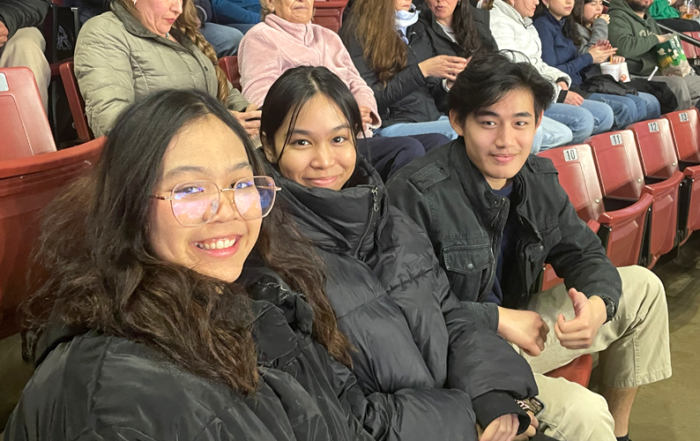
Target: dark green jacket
{"points": [[18, 14], [634, 37], [446, 195], [660, 10]]}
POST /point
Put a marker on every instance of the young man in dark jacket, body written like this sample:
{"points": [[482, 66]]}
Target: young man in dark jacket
{"points": [[21, 43], [495, 215], [635, 34]]}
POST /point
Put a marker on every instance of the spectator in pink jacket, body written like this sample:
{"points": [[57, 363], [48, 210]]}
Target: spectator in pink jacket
{"points": [[286, 38]]}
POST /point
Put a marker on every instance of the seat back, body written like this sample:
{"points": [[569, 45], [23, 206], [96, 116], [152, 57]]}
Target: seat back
{"points": [[689, 49], [329, 13], [685, 127], [618, 164], [75, 101], [26, 186], [230, 67], [24, 127], [656, 148]]}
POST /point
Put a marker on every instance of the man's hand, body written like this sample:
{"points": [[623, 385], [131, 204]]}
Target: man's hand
{"points": [[4, 32], [664, 38], [526, 329], [573, 99], [502, 428], [250, 119], [531, 431], [443, 66], [590, 316]]}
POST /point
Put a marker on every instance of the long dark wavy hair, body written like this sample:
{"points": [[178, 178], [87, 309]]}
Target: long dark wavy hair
{"points": [[577, 12], [464, 27], [94, 268], [287, 96], [569, 29]]}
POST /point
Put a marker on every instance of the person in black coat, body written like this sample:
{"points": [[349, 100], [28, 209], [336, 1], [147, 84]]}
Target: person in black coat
{"points": [[138, 326], [428, 371], [22, 44], [391, 50]]}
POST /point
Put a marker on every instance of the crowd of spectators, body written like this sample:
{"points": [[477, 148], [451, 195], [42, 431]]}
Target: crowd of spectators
{"points": [[390, 293]]}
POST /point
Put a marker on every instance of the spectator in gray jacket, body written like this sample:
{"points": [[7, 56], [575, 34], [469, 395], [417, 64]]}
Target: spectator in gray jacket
{"points": [[21, 43]]}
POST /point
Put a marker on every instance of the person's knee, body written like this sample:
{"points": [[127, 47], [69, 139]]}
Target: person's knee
{"points": [[26, 39], [645, 282], [585, 415]]}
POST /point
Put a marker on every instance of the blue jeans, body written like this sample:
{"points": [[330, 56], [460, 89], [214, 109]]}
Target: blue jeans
{"points": [[652, 105], [224, 39], [441, 126], [550, 134], [630, 109], [590, 118], [388, 155]]}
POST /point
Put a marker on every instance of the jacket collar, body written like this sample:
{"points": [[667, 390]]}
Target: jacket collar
{"points": [[427, 15], [552, 19], [622, 5], [134, 27], [346, 221], [300, 32], [55, 333], [506, 9]]}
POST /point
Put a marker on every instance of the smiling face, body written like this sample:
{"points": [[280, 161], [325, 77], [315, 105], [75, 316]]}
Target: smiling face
{"points": [[499, 138], [443, 10], [592, 10], [526, 8], [158, 16], [294, 11], [321, 152], [205, 150], [403, 5], [560, 8]]}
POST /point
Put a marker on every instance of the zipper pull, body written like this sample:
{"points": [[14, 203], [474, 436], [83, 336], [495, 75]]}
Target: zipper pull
{"points": [[375, 191]]}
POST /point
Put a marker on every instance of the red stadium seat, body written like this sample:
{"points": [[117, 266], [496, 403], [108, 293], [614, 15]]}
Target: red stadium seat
{"points": [[620, 226], [230, 67], [329, 13], [578, 371], [24, 127], [622, 178], [75, 102], [689, 49], [685, 129], [26, 186]]}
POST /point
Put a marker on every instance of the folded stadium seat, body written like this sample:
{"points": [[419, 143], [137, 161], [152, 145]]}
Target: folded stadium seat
{"points": [[329, 13], [685, 128], [620, 227], [75, 102], [24, 127], [622, 178], [578, 371], [26, 186], [689, 49], [230, 67], [660, 162]]}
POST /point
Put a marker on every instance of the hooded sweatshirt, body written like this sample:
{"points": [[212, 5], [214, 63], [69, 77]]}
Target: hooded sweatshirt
{"points": [[634, 37]]}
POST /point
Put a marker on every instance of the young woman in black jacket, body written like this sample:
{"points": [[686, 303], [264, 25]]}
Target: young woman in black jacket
{"points": [[139, 327], [426, 366]]}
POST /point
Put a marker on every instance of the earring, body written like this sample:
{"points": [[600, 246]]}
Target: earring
{"points": [[135, 2]]}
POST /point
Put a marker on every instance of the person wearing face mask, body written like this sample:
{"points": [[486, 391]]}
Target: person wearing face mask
{"points": [[287, 38], [143, 46], [512, 28], [426, 367], [559, 36], [140, 326]]}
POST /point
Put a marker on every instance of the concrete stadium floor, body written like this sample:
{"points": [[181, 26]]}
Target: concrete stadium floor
{"points": [[664, 411], [669, 410]]}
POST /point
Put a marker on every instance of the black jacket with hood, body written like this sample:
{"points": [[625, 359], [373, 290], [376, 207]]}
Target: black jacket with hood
{"points": [[93, 386], [408, 97], [18, 14], [449, 198], [420, 359]]}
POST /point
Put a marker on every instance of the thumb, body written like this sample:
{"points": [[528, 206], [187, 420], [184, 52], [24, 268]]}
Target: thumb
{"points": [[578, 299]]}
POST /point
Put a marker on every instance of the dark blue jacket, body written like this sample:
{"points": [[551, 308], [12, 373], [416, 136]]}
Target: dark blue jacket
{"points": [[236, 11], [559, 51]]}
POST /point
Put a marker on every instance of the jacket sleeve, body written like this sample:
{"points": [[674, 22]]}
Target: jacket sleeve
{"points": [[580, 259], [622, 37], [599, 31], [229, 12], [104, 75], [402, 84], [260, 63], [235, 99], [549, 56], [17, 14]]}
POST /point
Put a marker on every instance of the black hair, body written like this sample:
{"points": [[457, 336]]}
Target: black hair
{"points": [[489, 77], [292, 90], [569, 29], [465, 29]]}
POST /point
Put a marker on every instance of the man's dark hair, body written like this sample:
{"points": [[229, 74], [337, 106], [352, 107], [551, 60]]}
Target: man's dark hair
{"points": [[489, 77]]}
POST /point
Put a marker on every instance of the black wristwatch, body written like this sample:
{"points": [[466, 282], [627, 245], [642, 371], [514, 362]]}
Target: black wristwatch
{"points": [[610, 307], [532, 404]]}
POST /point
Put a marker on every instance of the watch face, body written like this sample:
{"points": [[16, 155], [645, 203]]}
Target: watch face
{"points": [[533, 405]]}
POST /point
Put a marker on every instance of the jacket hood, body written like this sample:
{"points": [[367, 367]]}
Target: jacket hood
{"points": [[303, 33], [510, 12], [346, 221]]}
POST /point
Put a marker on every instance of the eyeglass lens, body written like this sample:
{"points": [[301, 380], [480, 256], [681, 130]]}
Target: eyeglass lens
{"points": [[196, 203]]}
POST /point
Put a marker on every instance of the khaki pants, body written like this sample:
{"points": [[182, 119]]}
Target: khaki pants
{"points": [[633, 349], [686, 89], [26, 48]]}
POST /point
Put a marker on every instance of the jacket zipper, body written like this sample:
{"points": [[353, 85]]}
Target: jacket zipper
{"points": [[375, 208]]}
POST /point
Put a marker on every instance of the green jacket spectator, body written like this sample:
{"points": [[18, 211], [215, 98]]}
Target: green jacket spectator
{"points": [[661, 10], [634, 37]]}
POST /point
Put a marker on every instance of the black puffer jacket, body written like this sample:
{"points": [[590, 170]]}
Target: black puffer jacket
{"points": [[93, 386], [420, 359], [408, 97], [18, 14], [443, 45]]}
